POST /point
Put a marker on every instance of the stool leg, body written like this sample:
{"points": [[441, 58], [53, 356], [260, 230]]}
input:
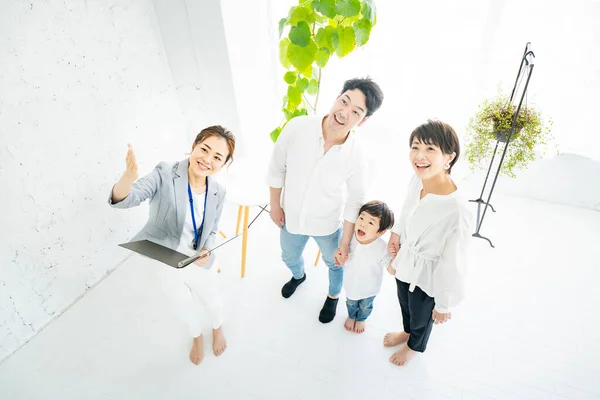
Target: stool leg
{"points": [[318, 256], [245, 240], [237, 227]]}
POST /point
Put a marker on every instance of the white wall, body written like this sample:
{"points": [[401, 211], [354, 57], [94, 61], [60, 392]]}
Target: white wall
{"points": [[196, 46], [255, 70], [78, 81], [440, 58]]}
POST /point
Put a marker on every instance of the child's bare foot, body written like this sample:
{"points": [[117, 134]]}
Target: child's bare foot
{"points": [[349, 324], [219, 342], [402, 356], [197, 352], [359, 327], [395, 338]]}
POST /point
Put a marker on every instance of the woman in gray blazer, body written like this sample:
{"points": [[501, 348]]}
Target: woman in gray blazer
{"points": [[185, 208]]}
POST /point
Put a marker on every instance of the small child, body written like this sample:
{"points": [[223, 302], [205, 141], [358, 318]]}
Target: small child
{"points": [[367, 258]]}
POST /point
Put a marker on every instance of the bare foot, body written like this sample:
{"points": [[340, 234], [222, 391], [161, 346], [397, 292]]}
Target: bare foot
{"points": [[402, 356], [349, 324], [219, 342], [395, 338], [197, 352], [359, 327]]}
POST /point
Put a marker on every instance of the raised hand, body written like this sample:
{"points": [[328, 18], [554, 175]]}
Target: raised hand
{"points": [[131, 167]]}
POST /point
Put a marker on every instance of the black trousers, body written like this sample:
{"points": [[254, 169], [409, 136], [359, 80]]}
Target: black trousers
{"points": [[417, 308]]}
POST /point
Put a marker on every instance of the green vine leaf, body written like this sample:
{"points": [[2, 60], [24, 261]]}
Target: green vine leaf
{"points": [[324, 38], [304, 14], [290, 77], [294, 96], [313, 87], [325, 7], [284, 45], [362, 30], [322, 57], [347, 8], [300, 34], [344, 42], [368, 11], [275, 133], [302, 84], [282, 23], [302, 57]]}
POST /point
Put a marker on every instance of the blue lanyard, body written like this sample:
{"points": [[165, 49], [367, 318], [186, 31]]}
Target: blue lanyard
{"points": [[197, 232]]}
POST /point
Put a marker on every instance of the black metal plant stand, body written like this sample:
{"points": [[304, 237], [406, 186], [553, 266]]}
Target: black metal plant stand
{"points": [[525, 71]]}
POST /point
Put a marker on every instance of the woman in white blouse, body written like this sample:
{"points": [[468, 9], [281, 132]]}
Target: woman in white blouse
{"points": [[429, 241]]}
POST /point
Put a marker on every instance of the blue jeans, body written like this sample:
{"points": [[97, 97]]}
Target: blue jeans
{"points": [[360, 309], [292, 247]]}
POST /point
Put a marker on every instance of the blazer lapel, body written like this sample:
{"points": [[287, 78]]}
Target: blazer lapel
{"points": [[211, 207], [180, 182]]}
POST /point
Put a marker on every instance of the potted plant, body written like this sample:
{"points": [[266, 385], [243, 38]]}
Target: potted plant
{"points": [[493, 122]]}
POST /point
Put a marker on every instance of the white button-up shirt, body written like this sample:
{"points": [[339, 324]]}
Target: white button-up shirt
{"points": [[434, 233], [363, 272], [318, 188]]}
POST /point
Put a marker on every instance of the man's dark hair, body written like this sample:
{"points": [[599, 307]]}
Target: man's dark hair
{"points": [[371, 90], [381, 210]]}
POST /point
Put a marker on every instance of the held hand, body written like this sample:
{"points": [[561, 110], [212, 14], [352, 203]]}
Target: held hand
{"points": [[278, 216], [131, 167], [391, 270], [394, 244], [337, 256], [341, 255], [205, 259], [439, 318]]}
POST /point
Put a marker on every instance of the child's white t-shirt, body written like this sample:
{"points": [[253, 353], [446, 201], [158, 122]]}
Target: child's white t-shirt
{"points": [[363, 272]]}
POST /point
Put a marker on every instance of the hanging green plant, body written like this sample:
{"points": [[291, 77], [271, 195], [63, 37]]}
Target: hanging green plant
{"points": [[492, 122], [316, 30]]}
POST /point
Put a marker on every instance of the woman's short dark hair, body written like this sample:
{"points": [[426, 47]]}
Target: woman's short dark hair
{"points": [[439, 134], [380, 210], [371, 90], [218, 131]]}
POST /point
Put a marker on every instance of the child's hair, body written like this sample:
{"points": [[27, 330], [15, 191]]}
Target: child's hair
{"points": [[381, 210], [220, 132], [440, 134]]}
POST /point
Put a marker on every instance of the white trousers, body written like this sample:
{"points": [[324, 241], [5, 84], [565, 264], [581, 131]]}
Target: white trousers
{"points": [[194, 294]]}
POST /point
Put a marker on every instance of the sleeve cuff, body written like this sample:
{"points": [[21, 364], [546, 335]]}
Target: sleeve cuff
{"points": [[276, 181], [351, 215], [441, 310]]}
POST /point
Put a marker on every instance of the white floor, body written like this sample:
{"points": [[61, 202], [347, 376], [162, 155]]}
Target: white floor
{"points": [[529, 330]]}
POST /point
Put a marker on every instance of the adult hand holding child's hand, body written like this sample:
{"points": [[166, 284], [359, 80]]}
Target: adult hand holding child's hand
{"points": [[394, 244], [439, 318]]}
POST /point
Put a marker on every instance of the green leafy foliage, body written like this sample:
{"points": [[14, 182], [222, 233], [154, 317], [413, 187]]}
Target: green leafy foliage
{"points": [[316, 30], [493, 121]]}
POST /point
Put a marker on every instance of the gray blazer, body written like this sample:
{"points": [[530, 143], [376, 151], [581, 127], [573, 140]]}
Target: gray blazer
{"points": [[166, 187]]}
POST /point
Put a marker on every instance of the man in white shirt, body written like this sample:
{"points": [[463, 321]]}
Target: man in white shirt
{"points": [[317, 164]]}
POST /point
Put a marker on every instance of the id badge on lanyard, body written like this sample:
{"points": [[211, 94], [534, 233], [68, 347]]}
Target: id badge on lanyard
{"points": [[197, 232]]}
